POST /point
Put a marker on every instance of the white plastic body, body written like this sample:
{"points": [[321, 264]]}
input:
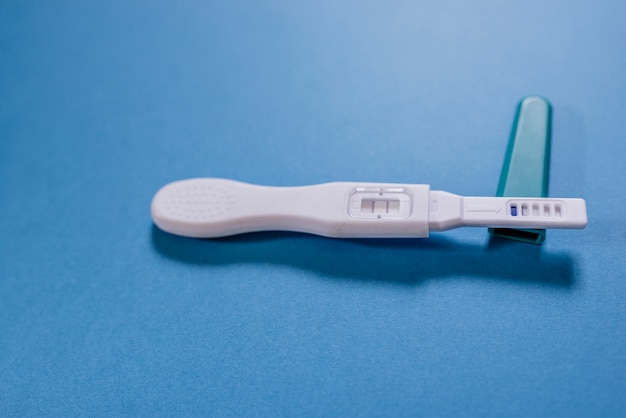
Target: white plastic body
{"points": [[211, 208]]}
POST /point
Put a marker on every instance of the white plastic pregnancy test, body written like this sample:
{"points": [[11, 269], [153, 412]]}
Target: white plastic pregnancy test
{"points": [[211, 208]]}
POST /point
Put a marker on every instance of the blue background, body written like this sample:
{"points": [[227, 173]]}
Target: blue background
{"points": [[103, 314]]}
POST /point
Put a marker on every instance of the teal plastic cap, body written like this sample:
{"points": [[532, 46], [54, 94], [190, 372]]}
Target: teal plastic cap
{"points": [[526, 168]]}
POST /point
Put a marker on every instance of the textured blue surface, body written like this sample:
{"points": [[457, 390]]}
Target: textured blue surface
{"points": [[102, 314]]}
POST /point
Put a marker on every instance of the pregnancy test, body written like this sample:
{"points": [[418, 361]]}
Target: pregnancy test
{"points": [[212, 208]]}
